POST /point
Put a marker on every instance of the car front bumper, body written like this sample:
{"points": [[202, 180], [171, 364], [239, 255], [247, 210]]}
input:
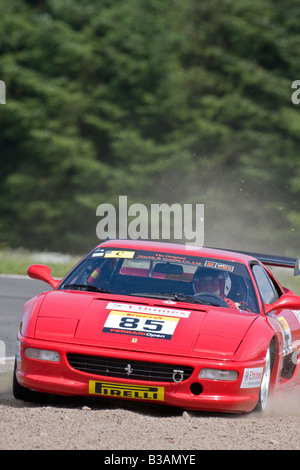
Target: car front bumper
{"points": [[58, 377]]}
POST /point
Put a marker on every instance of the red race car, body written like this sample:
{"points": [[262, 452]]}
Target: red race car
{"points": [[196, 328]]}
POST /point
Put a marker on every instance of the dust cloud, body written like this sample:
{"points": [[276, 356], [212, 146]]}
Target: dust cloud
{"points": [[287, 403]]}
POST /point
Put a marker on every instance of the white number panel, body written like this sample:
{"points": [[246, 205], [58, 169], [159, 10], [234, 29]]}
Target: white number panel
{"points": [[139, 324]]}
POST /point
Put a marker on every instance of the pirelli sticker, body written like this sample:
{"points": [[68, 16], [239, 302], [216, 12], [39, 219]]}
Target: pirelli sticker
{"points": [[119, 390]]}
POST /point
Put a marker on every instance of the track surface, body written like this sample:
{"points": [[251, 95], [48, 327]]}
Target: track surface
{"points": [[115, 425]]}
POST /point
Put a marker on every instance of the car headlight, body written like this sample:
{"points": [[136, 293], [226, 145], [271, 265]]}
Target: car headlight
{"points": [[218, 374], [42, 354]]}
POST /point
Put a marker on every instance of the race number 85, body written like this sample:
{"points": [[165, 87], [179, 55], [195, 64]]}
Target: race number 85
{"points": [[132, 323], [121, 322]]}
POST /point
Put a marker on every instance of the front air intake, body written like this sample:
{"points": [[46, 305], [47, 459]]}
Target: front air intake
{"points": [[123, 368]]}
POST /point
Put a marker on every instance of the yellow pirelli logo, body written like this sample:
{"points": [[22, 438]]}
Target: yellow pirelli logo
{"points": [[137, 392]]}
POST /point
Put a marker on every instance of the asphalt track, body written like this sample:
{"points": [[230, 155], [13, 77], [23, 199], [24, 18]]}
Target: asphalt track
{"points": [[15, 291]]}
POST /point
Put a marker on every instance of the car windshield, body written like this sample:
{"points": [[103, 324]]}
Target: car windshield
{"points": [[169, 276]]}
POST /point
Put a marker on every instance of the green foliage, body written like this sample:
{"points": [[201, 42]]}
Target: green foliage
{"points": [[163, 101], [17, 262]]}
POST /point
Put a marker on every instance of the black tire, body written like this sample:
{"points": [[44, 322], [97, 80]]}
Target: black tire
{"points": [[23, 393]]}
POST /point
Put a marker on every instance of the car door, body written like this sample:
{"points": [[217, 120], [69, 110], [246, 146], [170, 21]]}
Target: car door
{"points": [[285, 322]]}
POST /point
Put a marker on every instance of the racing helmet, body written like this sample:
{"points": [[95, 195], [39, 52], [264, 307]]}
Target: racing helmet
{"points": [[211, 280]]}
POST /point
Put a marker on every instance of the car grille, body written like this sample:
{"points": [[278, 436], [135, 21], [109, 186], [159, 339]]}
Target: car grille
{"points": [[122, 368]]}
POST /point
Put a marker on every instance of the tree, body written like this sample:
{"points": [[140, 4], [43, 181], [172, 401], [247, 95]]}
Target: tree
{"points": [[160, 101]]}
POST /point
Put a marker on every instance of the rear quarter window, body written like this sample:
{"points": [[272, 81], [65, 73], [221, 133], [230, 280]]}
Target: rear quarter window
{"points": [[267, 289]]}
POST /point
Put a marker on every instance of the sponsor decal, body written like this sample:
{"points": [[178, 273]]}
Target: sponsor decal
{"points": [[217, 265], [120, 390], [167, 312], [286, 335], [297, 314], [119, 254], [139, 324], [252, 377]]}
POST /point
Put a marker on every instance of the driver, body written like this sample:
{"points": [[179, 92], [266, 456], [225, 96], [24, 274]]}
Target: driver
{"points": [[213, 281]]}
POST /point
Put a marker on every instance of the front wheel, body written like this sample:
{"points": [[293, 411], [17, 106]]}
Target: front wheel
{"points": [[265, 384], [22, 393]]}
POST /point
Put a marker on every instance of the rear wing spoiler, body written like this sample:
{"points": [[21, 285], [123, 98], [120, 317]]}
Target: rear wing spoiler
{"points": [[273, 260], [278, 261]]}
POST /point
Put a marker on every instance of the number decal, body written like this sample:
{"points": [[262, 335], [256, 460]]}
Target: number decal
{"points": [[138, 324], [157, 325], [133, 323], [128, 322]]}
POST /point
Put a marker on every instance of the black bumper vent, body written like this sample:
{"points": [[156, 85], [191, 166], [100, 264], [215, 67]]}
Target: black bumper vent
{"points": [[122, 368]]}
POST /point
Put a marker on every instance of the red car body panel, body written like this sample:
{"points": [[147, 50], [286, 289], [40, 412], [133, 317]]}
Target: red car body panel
{"points": [[177, 334]]}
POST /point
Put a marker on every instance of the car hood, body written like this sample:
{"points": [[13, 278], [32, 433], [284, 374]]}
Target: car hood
{"points": [[144, 325]]}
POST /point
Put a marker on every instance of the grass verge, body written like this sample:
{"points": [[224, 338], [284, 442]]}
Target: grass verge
{"points": [[17, 262]]}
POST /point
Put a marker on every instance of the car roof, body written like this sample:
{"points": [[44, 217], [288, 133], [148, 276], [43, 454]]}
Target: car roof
{"points": [[182, 249]]}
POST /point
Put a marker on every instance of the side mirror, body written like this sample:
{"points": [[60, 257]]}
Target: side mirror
{"points": [[42, 273], [290, 301]]}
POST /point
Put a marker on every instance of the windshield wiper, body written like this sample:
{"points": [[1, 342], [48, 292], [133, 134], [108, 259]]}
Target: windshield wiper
{"points": [[87, 287], [158, 295], [179, 297]]}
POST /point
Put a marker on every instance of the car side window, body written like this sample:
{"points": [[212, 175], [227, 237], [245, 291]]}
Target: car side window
{"points": [[265, 285]]}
